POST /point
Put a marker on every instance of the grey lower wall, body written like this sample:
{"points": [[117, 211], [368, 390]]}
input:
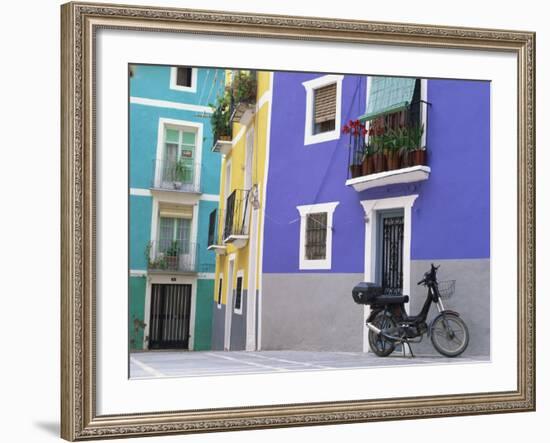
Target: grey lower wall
{"points": [[238, 326], [218, 325], [471, 299], [312, 312]]}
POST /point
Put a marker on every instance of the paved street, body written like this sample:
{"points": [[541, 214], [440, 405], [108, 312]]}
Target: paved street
{"points": [[207, 363]]}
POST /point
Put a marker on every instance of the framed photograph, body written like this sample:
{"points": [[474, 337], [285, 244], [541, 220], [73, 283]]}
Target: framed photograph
{"points": [[277, 221]]}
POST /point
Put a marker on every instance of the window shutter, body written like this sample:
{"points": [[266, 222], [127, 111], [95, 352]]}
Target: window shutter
{"points": [[325, 103], [175, 211]]}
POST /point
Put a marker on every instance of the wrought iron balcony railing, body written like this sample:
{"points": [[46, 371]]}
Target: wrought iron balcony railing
{"points": [[388, 142], [182, 175], [215, 224], [237, 208], [173, 256]]}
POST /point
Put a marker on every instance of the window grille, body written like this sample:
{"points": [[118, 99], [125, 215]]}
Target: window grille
{"points": [[316, 236]]}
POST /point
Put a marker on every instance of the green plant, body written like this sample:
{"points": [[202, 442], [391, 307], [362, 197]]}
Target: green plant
{"points": [[220, 119], [415, 137], [244, 87], [173, 250], [182, 170], [154, 263]]}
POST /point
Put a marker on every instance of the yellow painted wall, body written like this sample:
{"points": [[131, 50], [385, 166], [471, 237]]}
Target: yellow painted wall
{"points": [[259, 123]]}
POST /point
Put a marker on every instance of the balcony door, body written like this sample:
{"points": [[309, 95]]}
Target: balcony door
{"points": [[174, 243], [390, 245], [178, 163]]}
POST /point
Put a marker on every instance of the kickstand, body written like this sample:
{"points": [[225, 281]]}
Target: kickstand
{"points": [[410, 348]]}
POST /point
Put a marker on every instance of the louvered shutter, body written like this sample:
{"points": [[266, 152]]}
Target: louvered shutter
{"points": [[325, 103]]}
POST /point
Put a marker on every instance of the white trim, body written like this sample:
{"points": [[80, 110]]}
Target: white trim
{"points": [[140, 192], [206, 275], [424, 108], [404, 175], [138, 273], [210, 197], [261, 231], [174, 77], [371, 207], [304, 210], [229, 303], [265, 98], [311, 86], [240, 273], [170, 105], [238, 136]]}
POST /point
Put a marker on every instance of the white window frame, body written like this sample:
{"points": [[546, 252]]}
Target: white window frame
{"points": [[174, 77], [304, 210], [164, 123], [310, 86], [240, 274]]}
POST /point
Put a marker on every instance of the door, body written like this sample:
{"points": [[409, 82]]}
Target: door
{"points": [[390, 251], [229, 306], [170, 316]]}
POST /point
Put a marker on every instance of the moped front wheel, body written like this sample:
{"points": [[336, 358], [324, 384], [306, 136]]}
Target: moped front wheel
{"points": [[449, 335], [380, 345]]}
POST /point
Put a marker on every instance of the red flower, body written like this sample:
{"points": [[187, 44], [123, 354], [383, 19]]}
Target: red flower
{"points": [[363, 130], [345, 129]]}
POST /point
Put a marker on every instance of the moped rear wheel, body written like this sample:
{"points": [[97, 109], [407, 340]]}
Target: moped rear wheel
{"points": [[449, 335], [380, 345]]}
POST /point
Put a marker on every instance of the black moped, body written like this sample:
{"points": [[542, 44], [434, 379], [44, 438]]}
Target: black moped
{"points": [[390, 325]]}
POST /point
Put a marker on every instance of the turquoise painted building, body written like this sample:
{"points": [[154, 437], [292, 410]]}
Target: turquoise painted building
{"points": [[174, 182]]}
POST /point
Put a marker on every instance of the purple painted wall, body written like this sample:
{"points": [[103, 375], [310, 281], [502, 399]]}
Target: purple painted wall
{"points": [[451, 214]]}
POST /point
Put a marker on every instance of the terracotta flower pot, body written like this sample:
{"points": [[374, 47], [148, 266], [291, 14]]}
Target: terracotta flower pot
{"points": [[355, 170], [379, 162], [172, 262], [368, 165], [419, 157], [392, 160], [225, 138]]}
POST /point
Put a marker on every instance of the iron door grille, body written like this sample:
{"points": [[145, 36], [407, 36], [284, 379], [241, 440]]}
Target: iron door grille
{"points": [[170, 313], [392, 255]]}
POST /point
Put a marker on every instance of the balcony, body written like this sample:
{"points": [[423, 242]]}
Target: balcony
{"points": [[180, 176], [173, 256], [215, 240], [235, 227], [388, 148], [243, 97], [223, 145]]}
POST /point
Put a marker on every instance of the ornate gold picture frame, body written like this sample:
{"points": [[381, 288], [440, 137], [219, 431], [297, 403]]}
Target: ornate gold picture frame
{"points": [[80, 23]]}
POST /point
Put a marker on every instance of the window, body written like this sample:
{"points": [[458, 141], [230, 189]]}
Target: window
{"points": [[394, 101], [316, 231], [174, 235], [219, 297], [179, 154], [239, 293], [183, 78], [316, 236], [323, 108]]}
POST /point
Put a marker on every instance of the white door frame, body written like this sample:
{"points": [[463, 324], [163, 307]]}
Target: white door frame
{"points": [[229, 303], [371, 207]]}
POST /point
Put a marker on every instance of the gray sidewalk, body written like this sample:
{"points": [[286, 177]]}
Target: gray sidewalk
{"points": [[209, 363]]}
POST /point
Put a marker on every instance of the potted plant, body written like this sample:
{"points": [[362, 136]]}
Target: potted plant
{"points": [[172, 255], [355, 147], [391, 149], [220, 119], [377, 138], [182, 173], [244, 87], [416, 151]]}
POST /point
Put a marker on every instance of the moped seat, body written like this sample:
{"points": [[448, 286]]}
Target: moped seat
{"points": [[391, 299]]}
